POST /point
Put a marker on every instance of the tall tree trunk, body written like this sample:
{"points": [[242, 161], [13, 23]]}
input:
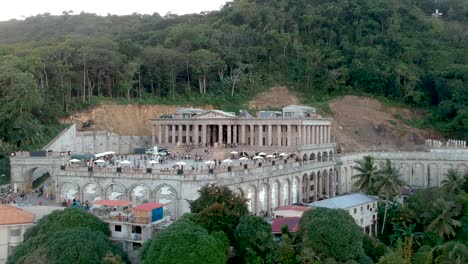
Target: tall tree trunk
{"points": [[45, 76], [385, 214], [188, 76], [84, 82]]}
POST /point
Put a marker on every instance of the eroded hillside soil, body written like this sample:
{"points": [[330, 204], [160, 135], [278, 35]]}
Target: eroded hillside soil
{"points": [[360, 123]]}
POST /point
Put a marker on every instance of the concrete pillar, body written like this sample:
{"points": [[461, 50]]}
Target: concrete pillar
{"points": [[327, 185], [220, 134], [316, 187], [242, 137], [160, 139], [166, 134], [195, 134], [260, 135], [299, 135], [329, 134], [187, 134], [304, 135], [252, 135], [153, 140], [180, 133], [234, 131], [278, 134], [270, 135], [289, 136], [228, 140], [203, 138], [311, 134]]}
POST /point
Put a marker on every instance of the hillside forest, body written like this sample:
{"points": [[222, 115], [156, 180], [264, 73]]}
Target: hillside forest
{"points": [[54, 65]]}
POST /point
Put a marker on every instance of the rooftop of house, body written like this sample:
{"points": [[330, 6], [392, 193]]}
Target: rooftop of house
{"points": [[291, 222], [345, 201], [10, 215]]}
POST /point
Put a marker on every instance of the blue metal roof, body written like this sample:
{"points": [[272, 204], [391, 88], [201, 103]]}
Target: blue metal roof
{"points": [[345, 201]]}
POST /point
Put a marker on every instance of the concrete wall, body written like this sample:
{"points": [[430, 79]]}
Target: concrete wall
{"points": [[7, 242], [64, 141], [101, 141], [96, 142]]}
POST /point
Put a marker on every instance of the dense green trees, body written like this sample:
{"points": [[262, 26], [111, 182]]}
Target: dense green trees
{"points": [[184, 242], [331, 233], [66, 219], [395, 49], [65, 236]]}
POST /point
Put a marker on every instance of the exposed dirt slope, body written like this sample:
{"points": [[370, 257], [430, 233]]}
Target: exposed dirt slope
{"points": [[122, 119], [275, 98], [360, 123], [365, 124]]}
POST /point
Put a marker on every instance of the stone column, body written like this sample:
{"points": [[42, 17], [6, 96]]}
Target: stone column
{"points": [[195, 134], [260, 135], [289, 136], [242, 137], [329, 134], [270, 135], [252, 135], [153, 140], [220, 134], [316, 187], [311, 134], [327, 185], [203, 137], [229, 127], [160, 139], [333, 186], [304, 134], [299, 135], [278, 134], [234, 136], [180, 133], [166, 134]]}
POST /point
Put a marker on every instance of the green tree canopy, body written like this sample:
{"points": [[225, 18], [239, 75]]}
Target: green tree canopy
{"points": [[183, 242], [77, 245], [211, 194], [331, 233], [68, 218]]}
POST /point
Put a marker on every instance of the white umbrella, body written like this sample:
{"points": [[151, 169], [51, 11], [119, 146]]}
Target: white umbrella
{"points": [[180, 163], [270, 156], [283, 154], [125, 162], [74, 160], [234, 152], [209, 162], [257, 157], [99, 161], [262, 154], [153, 162], [244, 158], [227, 161]]}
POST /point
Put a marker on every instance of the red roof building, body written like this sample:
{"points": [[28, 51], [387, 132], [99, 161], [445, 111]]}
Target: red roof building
{"points": [[291, 222], [148, 206]]}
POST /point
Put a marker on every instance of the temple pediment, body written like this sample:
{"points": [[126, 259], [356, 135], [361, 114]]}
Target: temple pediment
{"points": [[215, 114]]}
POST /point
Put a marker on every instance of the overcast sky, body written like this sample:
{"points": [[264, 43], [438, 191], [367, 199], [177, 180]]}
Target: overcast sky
{"points": [[20, 9]]}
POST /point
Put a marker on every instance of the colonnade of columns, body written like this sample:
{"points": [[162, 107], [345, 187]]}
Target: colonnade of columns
{"points": [[284, 135], [318, 185]]}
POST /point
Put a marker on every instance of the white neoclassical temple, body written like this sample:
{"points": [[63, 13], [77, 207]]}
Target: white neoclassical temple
{"points": [[298, 126]]}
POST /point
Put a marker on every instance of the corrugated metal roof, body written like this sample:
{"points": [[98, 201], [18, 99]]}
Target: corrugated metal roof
{"points": [[345, 201], [113, 202], [291, 222]]}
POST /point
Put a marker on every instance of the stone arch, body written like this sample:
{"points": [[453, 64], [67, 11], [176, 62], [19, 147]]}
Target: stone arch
{"points": [[263, 199], [318, 189], [166, 194], [433, 175], [274, 195], [418, 175], [319, 157], [405, 171], [304, 157], [285, 191], [139, 193], [295, 190], [325, 191], [331, 155], [324, 156], [116, 191], [238, 191], [462, 168], [312, 157], [69, 190], [252, 199], [91, 191], [331, 180]]}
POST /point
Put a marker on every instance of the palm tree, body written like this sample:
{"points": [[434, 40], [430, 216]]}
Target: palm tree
{"points": [[367, 175], [388, 184], [452, 253], [442, 214], [454, 181]]}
